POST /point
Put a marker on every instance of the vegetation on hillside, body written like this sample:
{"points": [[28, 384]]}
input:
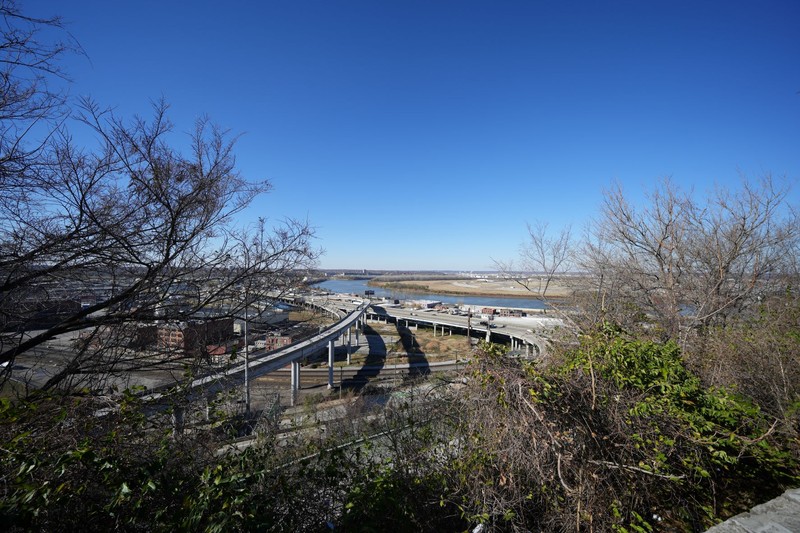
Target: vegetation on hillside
{"points": [[618, 435]]}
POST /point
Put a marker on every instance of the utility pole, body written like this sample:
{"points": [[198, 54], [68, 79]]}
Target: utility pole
{"points": [[469, 328], [246, 360]]}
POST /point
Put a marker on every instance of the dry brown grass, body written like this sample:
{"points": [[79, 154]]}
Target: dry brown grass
{"points": [[439, 348], [559, 288]]}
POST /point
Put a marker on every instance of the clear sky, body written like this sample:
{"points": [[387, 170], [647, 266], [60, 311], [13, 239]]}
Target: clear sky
{"points": [[425, 134]]}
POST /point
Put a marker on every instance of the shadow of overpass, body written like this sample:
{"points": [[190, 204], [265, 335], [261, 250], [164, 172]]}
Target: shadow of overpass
{"points": [[417, 361], [374, 362]]}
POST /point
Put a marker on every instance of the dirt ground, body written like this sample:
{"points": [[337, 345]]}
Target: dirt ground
{"points": [[414, 344]]}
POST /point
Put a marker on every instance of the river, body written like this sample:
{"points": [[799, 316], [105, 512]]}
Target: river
{"points": [[358, 286]]}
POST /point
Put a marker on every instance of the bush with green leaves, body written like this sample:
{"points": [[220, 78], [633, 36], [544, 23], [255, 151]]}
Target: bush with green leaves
{"points": [[619, 436], [621, 424]]}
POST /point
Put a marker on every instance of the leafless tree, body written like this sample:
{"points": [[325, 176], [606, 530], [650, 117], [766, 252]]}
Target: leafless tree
{"points": [[689, 262], [127, 233], [543, 257], [30, 104]]}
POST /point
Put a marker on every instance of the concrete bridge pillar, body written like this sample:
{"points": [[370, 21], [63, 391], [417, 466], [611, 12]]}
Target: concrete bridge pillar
{"points": [[527, 350], [488, 334], [434, 329], [349, 339], [295, 377], [177, 420], [330, 364]]}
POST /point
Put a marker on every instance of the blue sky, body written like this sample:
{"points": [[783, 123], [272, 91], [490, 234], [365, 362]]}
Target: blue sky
{"points": [[424, 134]]}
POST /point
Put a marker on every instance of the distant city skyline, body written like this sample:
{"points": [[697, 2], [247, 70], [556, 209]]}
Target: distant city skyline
{"points": [[425, 135]]}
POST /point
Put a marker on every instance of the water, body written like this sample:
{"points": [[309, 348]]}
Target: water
{"points": [[358, 286]]}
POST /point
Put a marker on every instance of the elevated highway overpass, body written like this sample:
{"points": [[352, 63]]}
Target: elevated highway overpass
{"points": [[519, 334], [261, 362], [352, 315]]}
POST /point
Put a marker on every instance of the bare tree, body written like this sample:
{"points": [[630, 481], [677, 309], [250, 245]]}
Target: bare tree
{"points": [[689, 262], [640, 252], [742, 249], [543, 257], [147, 232], [102, 240], [29, 103]]}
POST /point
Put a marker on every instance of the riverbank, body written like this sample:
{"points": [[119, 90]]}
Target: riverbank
{"points": [[558, 289], [361, 289]]}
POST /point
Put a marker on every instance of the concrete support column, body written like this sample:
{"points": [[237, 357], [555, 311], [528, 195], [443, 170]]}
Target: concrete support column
{"points": [[295, 377], [527, 349], [177, 421], [292, 370], [434, 329], [349, 339], [488, 334], [330, 364]]}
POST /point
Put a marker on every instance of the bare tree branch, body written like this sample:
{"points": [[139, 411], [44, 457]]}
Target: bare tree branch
{"points": [[99, 241], [689, 262]]}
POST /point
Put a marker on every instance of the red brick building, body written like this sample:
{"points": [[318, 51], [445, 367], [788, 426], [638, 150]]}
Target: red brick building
{"points": [[192, 337], [273, 342]]}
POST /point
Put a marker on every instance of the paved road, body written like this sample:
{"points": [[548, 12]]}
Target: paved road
{"points": [[530, 329], [317, 376]]}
